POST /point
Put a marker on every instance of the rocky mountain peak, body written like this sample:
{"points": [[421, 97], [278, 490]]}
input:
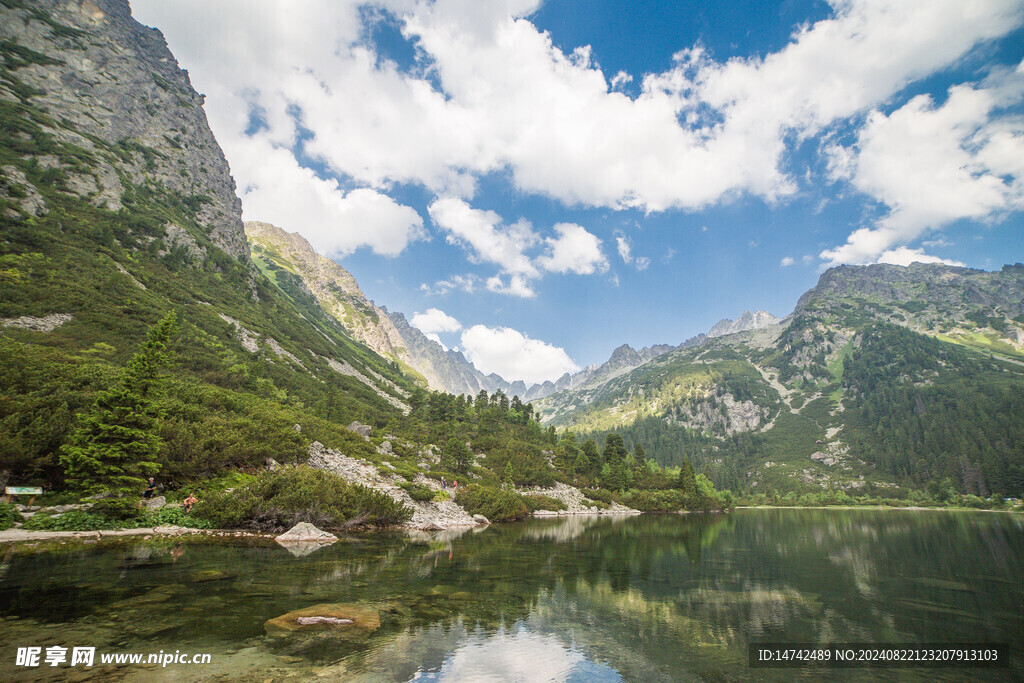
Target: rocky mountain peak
{"points": [[747, 321], [114, 90]]}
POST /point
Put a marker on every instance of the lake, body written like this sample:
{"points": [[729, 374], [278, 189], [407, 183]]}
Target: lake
{"points": [[654, 597]]}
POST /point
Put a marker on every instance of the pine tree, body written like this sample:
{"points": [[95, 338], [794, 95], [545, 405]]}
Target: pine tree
{"points": [[687, 480], [115, 445]]}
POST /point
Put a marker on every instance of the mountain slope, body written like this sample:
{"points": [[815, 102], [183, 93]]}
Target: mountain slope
{"points": [[115, 207], [821, 400]]}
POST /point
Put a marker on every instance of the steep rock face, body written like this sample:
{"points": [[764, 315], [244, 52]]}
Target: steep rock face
{"points": [[747, 321], [113, 88], [948, 287], [449, 370]]}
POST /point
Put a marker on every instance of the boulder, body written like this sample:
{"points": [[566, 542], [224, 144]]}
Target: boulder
{"points": [[345, 620], [154, 503], [306, 532], [360, 429], [480, 519]]}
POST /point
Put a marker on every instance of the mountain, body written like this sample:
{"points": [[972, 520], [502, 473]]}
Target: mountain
{"points": [[747, 321], [97, 98], [883, 376], [116, 207], [291, 263]]}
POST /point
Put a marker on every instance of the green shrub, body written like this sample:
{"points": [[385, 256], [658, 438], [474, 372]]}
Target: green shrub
{"points": [[440, 496], [9, 515], [226, 510], [280, 499], [497, 505], [418, 491], [116, 509], [173, 516], [72, 520], [602, 495], [540, 502], [599, 504]]}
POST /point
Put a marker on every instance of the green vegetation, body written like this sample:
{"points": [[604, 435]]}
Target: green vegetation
{"points": [[9, 516], [278, 500], [496, 504], [116, 443]]}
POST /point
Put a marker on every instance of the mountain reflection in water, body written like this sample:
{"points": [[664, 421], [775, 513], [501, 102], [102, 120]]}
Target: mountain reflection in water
{"points": [[656, 597]]}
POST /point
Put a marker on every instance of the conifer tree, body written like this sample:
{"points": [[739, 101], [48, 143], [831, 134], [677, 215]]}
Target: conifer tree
{"points": [[115, 445], [687, 479]]}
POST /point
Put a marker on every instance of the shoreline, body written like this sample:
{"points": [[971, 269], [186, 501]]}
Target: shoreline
{"points": [[915, 508], [22, 535], [15, 535]]}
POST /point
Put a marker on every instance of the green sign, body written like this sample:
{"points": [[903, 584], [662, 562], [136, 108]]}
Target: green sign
{"points": [[24, 490]]}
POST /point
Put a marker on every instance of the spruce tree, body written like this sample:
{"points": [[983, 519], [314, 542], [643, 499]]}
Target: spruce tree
{"points": [[115, 446], [687, 479]]}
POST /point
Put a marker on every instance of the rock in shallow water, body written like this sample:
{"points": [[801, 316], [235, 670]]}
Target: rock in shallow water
{"points": [[304, 531], [344, 620]]}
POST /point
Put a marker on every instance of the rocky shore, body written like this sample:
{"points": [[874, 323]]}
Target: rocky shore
{"points": [[575, 502]]}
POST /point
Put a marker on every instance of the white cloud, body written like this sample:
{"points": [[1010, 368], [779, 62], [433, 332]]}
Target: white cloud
{"points": [[624, 249], [434, 321], [697, 133], [574, 250], [489, 239], [485, 235], [466, 283], [517, 285], [279, 191], [786, 261], [932, 165], [513, 355], [903, 256]]}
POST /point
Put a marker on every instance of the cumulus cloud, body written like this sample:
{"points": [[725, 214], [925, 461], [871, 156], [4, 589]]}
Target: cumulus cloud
{"points": [[483, 233], [514, 355], [434, 321], [904, 256], [786, 261], [279, 191], [488, 239], [574, 250], [934, 164], [700, 131]]}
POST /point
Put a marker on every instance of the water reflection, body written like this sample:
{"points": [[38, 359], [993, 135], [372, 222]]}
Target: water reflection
{"points": [[577, 598]]}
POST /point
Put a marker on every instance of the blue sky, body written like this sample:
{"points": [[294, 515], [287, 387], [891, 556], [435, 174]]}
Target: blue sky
{"points": [[536, 183]]}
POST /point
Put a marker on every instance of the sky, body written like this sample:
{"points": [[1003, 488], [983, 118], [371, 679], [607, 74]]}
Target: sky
{"points": [[536, 183]]}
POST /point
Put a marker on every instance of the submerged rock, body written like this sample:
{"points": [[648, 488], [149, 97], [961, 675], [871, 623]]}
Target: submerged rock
{"points": [[344, 620]]}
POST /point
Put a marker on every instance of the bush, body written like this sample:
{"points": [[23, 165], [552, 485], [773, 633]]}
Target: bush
{"points": [[497, 505], [599, 504], [116, 509], [280, 499], [603, 495], [72, 520], [173, 516], [418, 491], [9, 515], [540, 502]]}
